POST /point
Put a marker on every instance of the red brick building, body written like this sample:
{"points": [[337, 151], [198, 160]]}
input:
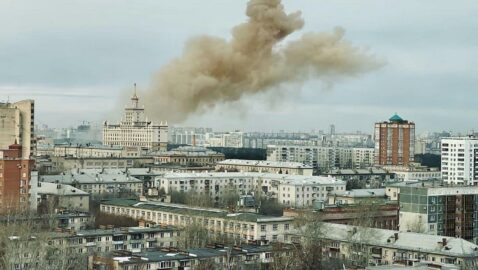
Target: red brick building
{"points": [[15, 174], [394, 142]]}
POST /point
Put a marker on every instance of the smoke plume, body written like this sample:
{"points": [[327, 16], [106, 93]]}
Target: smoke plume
{"points": [[213, 70]]}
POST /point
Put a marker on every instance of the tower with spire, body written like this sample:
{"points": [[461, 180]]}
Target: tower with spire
{"points": [[135, 130]]}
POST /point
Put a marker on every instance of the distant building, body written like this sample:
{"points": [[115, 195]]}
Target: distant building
{"points": [[294, 168], [188, 155], [431, 208], [17, 123], [321, 157], [15, 175], [459, 160], [362, 174], [394, 142], [358, 196], [61, 164], [135, 130], [414, 172], [92, 151]]}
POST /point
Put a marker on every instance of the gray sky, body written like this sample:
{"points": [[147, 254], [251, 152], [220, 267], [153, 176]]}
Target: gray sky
{"points": [[76, 58]]}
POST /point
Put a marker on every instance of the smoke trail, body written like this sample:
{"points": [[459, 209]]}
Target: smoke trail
{"points": [[213, 71]]}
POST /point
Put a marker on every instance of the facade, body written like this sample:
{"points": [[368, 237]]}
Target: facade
{"points": [[414, 172], [289, 190], [294, 168], [15, 175], [439, 210], [188, 156], [98, 182], [135, 130], [362, 174], [61, 164], [17, 122], [358, 196], [322, 157], [459, 160], [239, 226], [360, 246], [52, 196], [394, 142], [95, 151]]}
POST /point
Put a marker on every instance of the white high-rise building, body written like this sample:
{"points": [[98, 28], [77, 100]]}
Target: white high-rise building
{"points": [[17, 122], [135, 130], [459, 160]]}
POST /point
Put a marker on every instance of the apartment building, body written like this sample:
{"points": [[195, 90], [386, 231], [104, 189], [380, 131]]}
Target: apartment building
{"points": [[53, 196], [360, 246], [322, 157], [240, 226], [290, 190], [98, 182], [414, 172], [241, 165], [459, 160], [17, 123], [135, 130], [15, 175], [394, 142], [53, 247], [439, 210], [61, 164], [247, 256]]}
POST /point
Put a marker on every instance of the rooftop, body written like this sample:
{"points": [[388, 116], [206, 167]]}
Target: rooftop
{"points": [[405, 240], [90, 176], [361, 193], [264, 163], [194, 211], [60, 189]]}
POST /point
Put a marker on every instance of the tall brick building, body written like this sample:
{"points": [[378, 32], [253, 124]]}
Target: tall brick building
{"points": [[394, 142], [15, 173]]}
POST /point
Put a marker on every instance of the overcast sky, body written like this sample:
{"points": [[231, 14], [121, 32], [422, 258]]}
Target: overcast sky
{"points": [[75, 58]]}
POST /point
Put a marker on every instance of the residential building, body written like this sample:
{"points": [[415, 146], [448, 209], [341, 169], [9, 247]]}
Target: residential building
{"points": [[218, 256], [188, 156], [239, 225], [459, 160], [17, 123], [15, 174], [241, 165], [289, 190], [46, 196], [394, 142], [98, 182], [369, 174], [322, 157], [380, 215], [437, 209], [360, 246], [135, 130]]}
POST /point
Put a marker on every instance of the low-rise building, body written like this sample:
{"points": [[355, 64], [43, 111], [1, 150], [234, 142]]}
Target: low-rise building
{"points": [[357, 196], [414, 172], [247, 256], [188, 156], [289, 190], [61, 164], [294, 168], [98, 182], [95, 151], [362, 174], [245, 226], [360, 246], [51, 196]]}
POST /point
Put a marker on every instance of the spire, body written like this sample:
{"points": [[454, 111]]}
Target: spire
{"points": [[134, 98]]}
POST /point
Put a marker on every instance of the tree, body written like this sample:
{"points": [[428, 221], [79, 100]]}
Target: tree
{"points": [[270, 207]]}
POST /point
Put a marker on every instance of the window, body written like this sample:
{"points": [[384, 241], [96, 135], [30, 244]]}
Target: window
{"points": [[263, 228]]}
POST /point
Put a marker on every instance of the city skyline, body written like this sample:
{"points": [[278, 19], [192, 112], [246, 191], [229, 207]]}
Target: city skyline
{"points": [[77, 69]]}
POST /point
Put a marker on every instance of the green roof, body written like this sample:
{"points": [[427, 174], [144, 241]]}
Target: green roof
{"points": [[395, 118]]}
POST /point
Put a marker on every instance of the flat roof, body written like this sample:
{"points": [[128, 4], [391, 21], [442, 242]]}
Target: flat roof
{"points": [[265, 163], [194, 211]]}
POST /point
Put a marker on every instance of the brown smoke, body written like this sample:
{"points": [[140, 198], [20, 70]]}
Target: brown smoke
{"points": [[213, 71]]}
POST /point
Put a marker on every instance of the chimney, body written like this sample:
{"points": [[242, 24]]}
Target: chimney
{"points": [[396, 236], [444, 242]]}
